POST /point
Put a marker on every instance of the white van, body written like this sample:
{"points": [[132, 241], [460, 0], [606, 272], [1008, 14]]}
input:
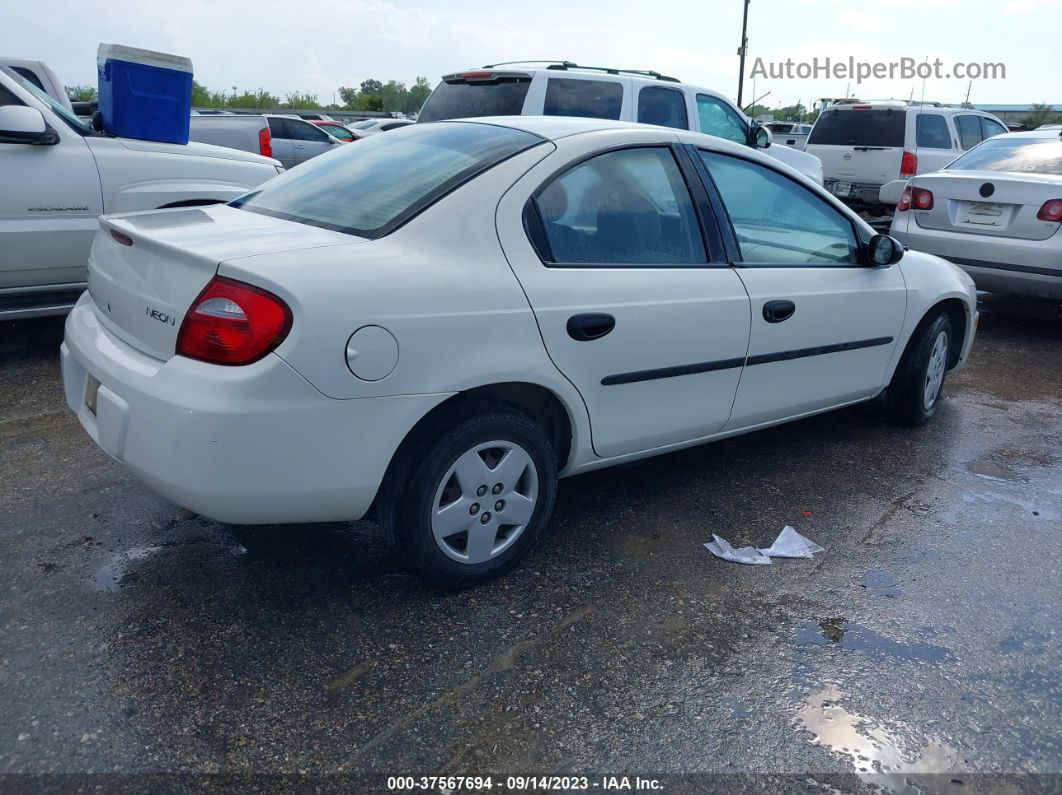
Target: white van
{"points": [[562, 88], [870, 149]]}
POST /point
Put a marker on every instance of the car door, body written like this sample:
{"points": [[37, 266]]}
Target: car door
{"points": [[716, 117], [824, 325], [283, 146], [308, 140], [633, 299], [49, 204]]}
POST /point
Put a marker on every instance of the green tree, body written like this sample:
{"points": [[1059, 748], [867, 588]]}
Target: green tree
{"points": [[371, 86], [81, 93], [791, 113], [1041, 114], [296, 99], [349, 96], [416, 96]]}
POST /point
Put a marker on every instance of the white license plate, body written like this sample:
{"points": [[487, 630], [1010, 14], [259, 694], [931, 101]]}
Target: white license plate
{"points": [[985, 213], [842, 188], [92, 389]]}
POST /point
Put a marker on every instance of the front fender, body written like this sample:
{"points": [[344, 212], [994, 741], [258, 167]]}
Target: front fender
{"points": [[931, 281]]}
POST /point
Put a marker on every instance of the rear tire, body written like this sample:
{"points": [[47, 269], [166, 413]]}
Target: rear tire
{"points": [[914, 393], [473, 504]]}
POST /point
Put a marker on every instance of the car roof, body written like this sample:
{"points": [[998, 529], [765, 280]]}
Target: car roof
{"points": [[551, 127], [1055, 134]]}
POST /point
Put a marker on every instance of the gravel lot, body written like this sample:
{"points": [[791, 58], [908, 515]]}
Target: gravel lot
{"points": [[921, 650]]}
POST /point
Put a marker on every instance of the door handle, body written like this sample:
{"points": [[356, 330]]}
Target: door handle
{"points": [[777, 311], [585, 328]]}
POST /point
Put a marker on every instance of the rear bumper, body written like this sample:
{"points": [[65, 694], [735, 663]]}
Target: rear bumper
{"points": [[247, 445], [996, 264], [858, 192]]}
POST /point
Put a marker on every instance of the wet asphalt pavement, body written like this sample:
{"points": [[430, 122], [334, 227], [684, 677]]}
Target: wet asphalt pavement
{"points": [[924, 641]]}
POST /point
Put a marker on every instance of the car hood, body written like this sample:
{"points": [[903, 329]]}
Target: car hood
{"points": [[197, 149]]}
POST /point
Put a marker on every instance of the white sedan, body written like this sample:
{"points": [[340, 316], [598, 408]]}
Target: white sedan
{"points": [[440, 322], [996, 211]]}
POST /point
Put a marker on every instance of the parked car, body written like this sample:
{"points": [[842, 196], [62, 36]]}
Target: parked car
{"points": [[996, 212], [612, 291], [59, 175], [566, 89], [870, 149], [337, 131], [250, 133], [313, 116], [40, 75], [295, 140], [372, 126], [788, 133], [1050, 127]]}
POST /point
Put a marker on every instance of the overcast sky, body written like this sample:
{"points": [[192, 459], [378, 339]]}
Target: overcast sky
{"points": [[319, 45]]}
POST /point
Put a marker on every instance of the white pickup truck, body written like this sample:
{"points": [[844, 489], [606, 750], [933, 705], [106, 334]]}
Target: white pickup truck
{"points": [[59, 176]]}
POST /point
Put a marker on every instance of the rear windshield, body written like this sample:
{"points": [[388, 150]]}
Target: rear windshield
{"points": [[1017, 155], [875, 127], [460, 100], [374, 187]]}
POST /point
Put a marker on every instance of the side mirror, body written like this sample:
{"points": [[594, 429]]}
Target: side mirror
{"points": [[22, 125], [759, 136], [884, 250]]}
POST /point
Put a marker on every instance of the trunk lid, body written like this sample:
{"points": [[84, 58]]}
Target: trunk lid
{"points": [[146, 269], [1009, 210]]}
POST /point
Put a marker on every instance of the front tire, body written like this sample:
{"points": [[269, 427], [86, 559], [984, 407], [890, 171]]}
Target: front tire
{"points": [[474, 503], [914, 393]]}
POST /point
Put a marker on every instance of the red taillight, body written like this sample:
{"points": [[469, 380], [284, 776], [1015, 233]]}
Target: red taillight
{"points": [[265, 142], [476, 75], [915, 198], [121, 237], [233, 323], [861, 107], [908, 165], [1051, 211]]}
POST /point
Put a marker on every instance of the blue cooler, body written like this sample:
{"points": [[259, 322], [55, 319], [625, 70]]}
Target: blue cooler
{"points": [[144, 94]]}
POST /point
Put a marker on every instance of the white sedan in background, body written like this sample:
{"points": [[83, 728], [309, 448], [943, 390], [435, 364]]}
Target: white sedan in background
{"points": [[442, 321], [362, 129], [996, 211]]}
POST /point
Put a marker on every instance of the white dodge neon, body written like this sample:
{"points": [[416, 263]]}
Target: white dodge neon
{"points": [[437, 323]]}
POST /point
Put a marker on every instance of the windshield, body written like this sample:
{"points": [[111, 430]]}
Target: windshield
{"points": [[1017, 155], [374, 187], [503, 96], [873, 127], [56, 107]]}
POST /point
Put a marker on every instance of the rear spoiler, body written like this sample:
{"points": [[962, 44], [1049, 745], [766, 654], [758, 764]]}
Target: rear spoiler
{"points": [[485, 76]]}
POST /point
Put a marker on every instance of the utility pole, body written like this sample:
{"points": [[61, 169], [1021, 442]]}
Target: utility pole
{"points": [[969, 87], [742, 50]]}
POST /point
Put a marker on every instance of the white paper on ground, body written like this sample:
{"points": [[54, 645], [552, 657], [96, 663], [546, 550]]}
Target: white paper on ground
{"points": [[722, 549], [790, 544]]}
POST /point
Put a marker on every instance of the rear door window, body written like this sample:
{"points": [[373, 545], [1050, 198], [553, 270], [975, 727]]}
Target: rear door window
{"points": [[277, 129], [595, 99], [629, 207], [304, 131], [663, 106], [885, 127], [462, 99], [932, 131], [969, 128], [374, 187], [990, 127]]}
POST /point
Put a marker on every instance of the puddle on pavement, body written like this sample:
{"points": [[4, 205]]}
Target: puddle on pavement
{"points": [[853, 637], [881, 583], [883, 754], [108, 577], [984, 468]]}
